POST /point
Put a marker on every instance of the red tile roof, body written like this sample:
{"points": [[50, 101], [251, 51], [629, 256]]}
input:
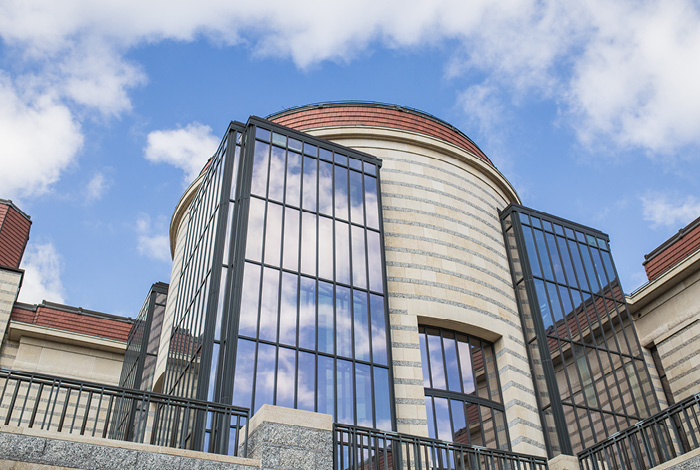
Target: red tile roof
{"points": [[374, 114], [14, 234], [673, 251], [73, 319]]}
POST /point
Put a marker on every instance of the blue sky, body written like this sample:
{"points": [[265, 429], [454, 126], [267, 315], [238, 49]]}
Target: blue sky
{"points": [[592, 111]]}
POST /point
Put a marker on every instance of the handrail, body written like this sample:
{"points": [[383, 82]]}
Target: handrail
{"points": [[361, 448], [650, 442], [67, 405]]}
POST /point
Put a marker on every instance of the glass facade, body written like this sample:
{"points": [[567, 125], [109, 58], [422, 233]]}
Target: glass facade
{"points": [[589, 373], [282, 286], [143, 341], [462, 391]]}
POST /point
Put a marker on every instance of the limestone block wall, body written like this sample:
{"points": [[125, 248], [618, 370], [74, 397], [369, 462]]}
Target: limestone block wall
{"points": [[667, 315], [87, 362], [10, 280], [446, 266]]}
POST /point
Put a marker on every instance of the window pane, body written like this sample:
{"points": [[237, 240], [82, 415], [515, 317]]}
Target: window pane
{"points": [[291, 238], [273, 234], [243, 381], [361, 325], [459, 422], [359, 268], [308, 243], [258, 185], [363, 395], [343, 321], [325, 248], [379, 338], [465, 363], [341, 193], [382, 403], [288, 309], [374, 260], [437, 370], [325, 188], [276, 189], [325, 317], [326, 386], [307, 313], [248, 323], [305, 384], [372, 206], [453, 379], [268, 304], [442, 419], [309, 184], [256, 218], [293, 178], [286, 371], [294, 144], [262, 134], [265, 375], [356, 208], [342, 252], [544, 257], [531, 252], [345, 398]]}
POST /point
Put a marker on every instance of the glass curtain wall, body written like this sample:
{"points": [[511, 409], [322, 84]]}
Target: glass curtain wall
{"points": [[587, 363], [197, 311], [143, 341], [462, 391], [312, 329], [282, 292]]}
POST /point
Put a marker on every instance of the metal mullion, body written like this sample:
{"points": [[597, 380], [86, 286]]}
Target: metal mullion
{"points": [[606, 388], [486, 371], [593, 303], [449, 412], [432, 411], [587, 406], [593, 337], [606, 349], [541, 337], [602, 296], [459, 363], [498, 382], [427, 355], [384, 294]]}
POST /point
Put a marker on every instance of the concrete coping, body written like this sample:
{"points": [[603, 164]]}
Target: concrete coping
{"points": [[290, 417], [98, 441], [563, 462]]}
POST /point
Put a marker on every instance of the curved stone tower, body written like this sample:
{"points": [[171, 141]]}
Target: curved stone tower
{"points": [[446, 263]]}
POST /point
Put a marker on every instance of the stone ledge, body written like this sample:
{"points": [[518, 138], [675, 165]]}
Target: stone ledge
{"points": [[58, 450]]}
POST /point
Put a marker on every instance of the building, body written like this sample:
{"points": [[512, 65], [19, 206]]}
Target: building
{"points": [[362, 273]]}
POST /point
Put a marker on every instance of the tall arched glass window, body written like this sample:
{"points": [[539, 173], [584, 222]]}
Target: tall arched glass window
{"points": [[462, 391]]}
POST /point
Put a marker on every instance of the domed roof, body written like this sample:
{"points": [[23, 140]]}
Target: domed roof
{"points": [[360, 113]]}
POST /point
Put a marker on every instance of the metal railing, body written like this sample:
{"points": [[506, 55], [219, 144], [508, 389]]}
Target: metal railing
{"points": [[360, 448], [651, 442], [72, 406]]}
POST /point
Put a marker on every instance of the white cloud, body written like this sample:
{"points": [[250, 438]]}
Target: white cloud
{"points": [[623, 70], [42, 275], [186, 148], [151, 240], [672, 211], [637, 78], [96, 187], [39, 139]]}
